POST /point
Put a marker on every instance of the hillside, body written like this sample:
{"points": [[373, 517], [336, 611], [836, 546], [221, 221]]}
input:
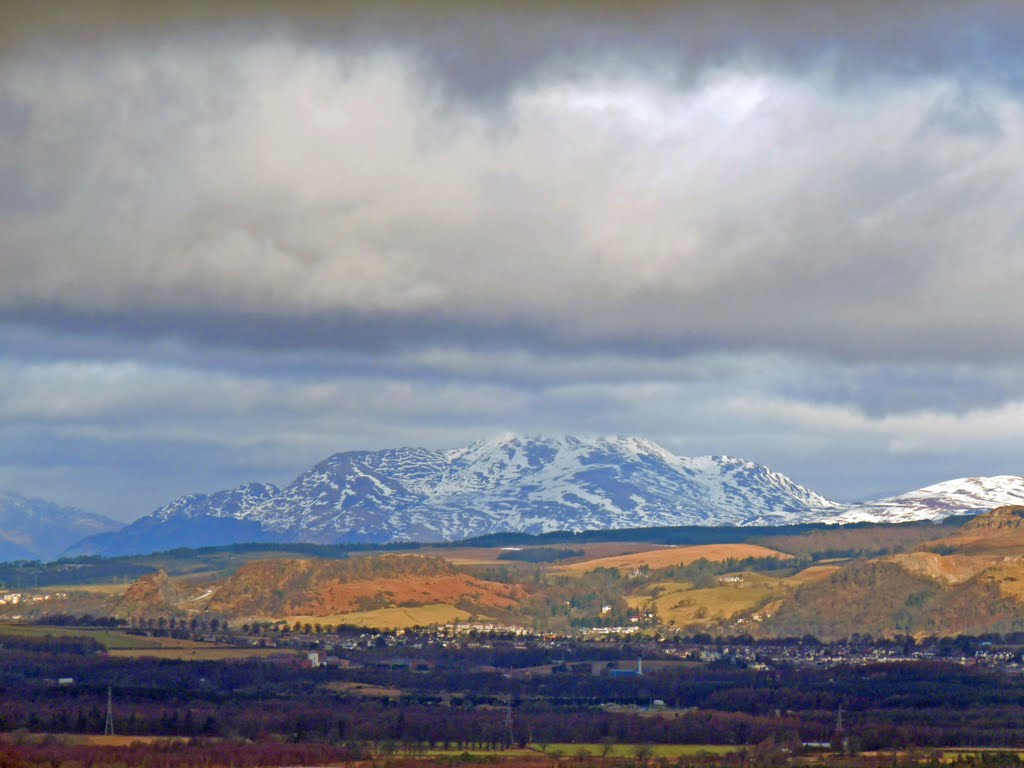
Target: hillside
{"points": [[919, 594], [151, 595], [1005, 518], [279, 587]]}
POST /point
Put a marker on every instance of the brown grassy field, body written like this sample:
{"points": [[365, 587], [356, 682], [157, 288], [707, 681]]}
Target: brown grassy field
{"points": [[813, 573], [392, 618], [669, 557]]}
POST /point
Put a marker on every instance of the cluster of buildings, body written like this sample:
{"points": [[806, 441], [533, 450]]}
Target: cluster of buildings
{"points": [[17, 598]]}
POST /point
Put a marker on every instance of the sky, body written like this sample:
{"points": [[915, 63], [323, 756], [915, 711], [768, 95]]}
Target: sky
{"points": [[237, 237]]}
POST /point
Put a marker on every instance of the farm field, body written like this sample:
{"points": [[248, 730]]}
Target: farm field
{"points": [[111, 639], [668, 557], [125, 645], [392, 618]]}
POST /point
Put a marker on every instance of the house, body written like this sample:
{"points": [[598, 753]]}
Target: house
{"points": [[638, 672]]}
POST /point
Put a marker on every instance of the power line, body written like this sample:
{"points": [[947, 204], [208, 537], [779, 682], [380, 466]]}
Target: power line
{"points": [[509, 737], [108, 727]]}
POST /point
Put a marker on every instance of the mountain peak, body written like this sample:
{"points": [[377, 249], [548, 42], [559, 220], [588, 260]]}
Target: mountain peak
{"points": [[507, 482]]}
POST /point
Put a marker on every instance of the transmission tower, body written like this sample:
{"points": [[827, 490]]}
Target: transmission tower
{"points": [[509, 737], [108, 727]]}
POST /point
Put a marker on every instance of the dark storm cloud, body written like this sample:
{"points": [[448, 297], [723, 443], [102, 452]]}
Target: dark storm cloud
{"points": [[485, 46]]}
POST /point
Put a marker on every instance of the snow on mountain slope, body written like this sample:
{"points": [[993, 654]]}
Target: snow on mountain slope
{"points": [[967, 495], [231, 503], [359, 495], [506, 483], [538, 484]]}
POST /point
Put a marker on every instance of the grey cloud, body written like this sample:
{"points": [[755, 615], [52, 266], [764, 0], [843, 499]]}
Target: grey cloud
{"points": [[234, 241], [152, 431], [482, 47], [326, 199]]}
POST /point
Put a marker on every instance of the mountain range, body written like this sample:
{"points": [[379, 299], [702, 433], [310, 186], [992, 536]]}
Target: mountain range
{"points": [[528, 484], [965, 495], [506, 483], [36, 529]]}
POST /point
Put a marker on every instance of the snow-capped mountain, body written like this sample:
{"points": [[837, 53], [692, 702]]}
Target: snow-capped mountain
{"points": [[506, 483], [964, 496], [231, 503], [36, 529]]}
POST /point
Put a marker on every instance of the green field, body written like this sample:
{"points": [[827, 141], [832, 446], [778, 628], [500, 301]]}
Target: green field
{"points": [[111, 639]]}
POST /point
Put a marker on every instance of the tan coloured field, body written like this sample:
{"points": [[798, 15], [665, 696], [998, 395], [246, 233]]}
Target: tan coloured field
{"points": [[669, 557], [814, 573], [392, 618]]}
